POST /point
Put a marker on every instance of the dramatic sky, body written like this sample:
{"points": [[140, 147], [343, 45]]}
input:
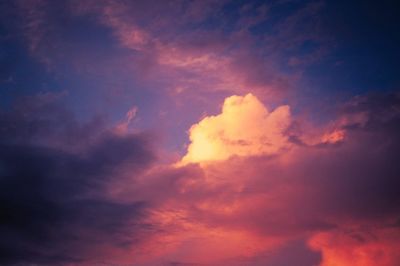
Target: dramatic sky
{"points": [[210, 132]]}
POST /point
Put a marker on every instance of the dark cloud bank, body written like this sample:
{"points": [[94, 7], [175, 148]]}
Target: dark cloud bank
{"points": [[53, 174]]}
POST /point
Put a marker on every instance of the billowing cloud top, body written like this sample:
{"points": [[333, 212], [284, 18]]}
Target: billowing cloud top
{"points": [[245, 127]]}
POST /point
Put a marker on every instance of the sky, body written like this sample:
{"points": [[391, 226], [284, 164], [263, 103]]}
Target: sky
{"points": [[193, 133]]}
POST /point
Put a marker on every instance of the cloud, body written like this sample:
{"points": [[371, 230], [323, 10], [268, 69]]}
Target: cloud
{"points": [[56, 208], [256, 187], [359, 247], [104, 199], [245, 127], [301, 192], [123, 126]]}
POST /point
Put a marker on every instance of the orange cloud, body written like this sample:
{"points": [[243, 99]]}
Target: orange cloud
{"points": [[334, 136], [353, 248], [245, 127]]}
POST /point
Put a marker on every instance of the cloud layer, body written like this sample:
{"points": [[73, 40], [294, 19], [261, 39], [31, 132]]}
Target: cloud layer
{"points": [[101, 197], [291, 158]]}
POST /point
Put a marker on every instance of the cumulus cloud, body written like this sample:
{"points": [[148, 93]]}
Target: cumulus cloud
{"points": [[245, 127], [333, 195]]}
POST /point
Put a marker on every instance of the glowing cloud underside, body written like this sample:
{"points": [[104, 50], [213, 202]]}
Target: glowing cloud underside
{"points": [[245, 127]]}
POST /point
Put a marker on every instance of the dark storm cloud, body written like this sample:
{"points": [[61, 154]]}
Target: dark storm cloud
{"points": [[53, 207]]}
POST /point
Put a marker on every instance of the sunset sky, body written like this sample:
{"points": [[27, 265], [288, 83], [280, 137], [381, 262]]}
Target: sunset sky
{"points": [[199, 133]]}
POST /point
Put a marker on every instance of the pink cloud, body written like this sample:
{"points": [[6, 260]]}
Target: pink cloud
{"points": [[308, 183], [242, 208]]}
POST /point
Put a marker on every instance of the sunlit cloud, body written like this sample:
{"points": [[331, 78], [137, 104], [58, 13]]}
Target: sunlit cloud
{"points": [[245, 127], [358, 247]]}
